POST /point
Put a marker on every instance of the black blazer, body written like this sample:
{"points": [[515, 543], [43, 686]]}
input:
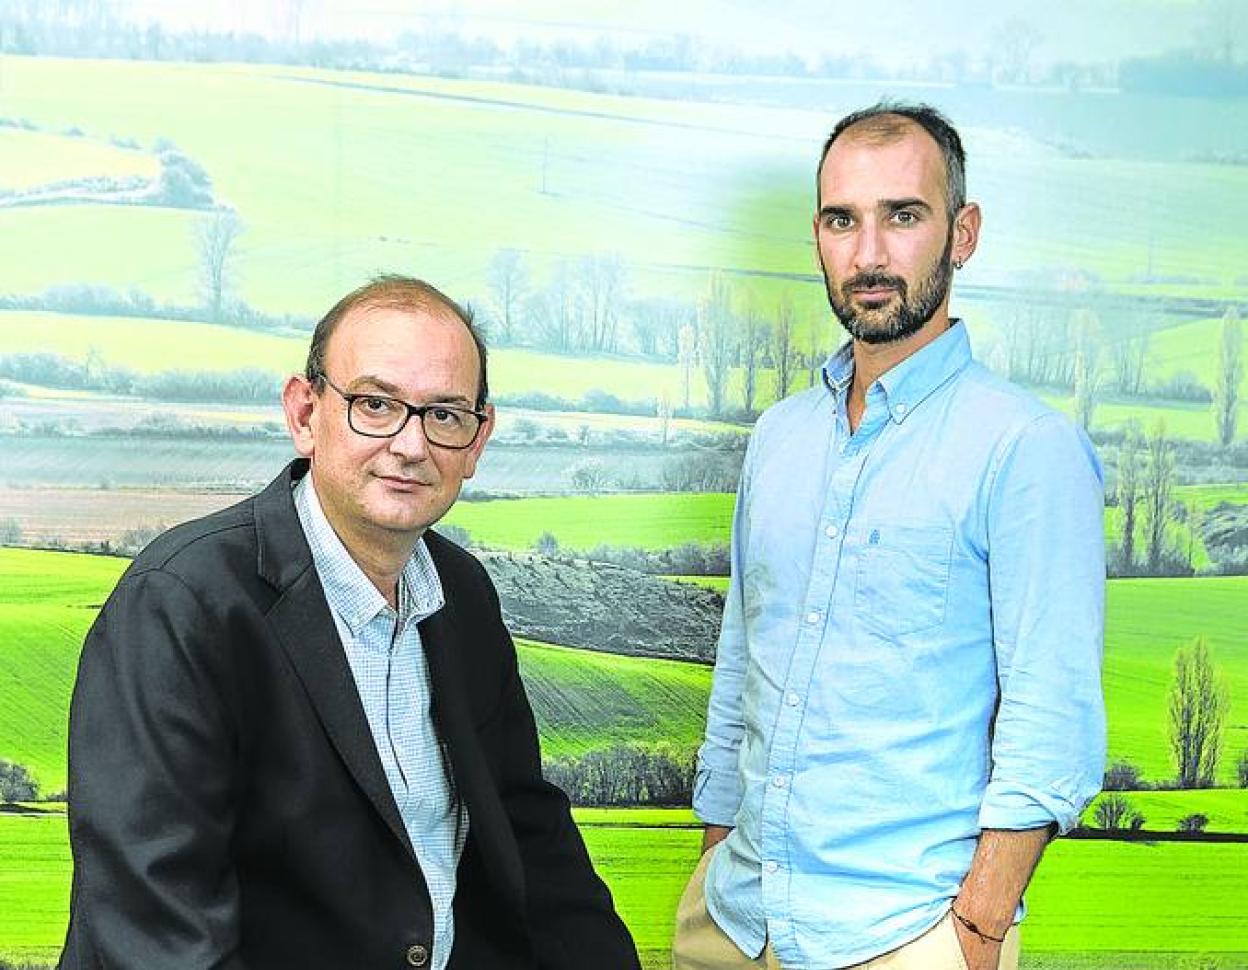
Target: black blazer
{"points": [[227, 806]]}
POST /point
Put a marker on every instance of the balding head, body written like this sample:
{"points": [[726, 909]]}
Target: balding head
{"points": [[889, 121]]}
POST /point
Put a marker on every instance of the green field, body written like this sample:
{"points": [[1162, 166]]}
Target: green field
{"points": [[1092, 904], [1193, 347], [1146, 621], [1226, 808], [47, 601], [581, 699], [651, 521], [345, 173], [29, 159]]}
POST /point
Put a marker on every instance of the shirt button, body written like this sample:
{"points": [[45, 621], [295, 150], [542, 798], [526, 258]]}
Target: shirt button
{"points": [[792, 699], [771, 865], [812, 617], [900, 408], [831, 532], [417, 955], [779, 781]]}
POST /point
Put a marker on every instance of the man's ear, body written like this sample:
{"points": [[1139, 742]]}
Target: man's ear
{"points": [[478, 446], [966, 232], [299, 402]]}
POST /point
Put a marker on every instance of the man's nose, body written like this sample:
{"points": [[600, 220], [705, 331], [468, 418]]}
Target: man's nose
{"points": [[870, 252], [411, 443]]}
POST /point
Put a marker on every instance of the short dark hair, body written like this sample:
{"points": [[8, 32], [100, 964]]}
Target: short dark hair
{"points": [[392, 291], [886, 120]]}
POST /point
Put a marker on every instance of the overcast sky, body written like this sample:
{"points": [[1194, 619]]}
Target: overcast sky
{"points": [[898, 30]]}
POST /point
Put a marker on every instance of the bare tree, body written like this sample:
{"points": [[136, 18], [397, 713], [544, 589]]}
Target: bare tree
{"points": [[601, 285], [686, 357], [1230, 373], [215, 238], [663, 411], [1014, 42], [1158, 486], [755, 335], [1086, 328], [782, 353], [508, 279], [656, 324], [1129, 493], [1129, 353], [553, 311], [1199, 699], [715, 340]]}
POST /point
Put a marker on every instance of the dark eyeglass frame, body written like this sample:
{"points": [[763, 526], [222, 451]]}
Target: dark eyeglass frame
{"points": [[419, 410]]}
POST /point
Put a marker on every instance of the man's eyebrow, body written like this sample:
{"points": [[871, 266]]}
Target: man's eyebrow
{"points": [[835, 210], [366, 382], [896, 205]]}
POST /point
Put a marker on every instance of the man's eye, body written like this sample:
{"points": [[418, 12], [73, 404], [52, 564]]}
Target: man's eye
{"points": [[446, 417], [838, 222], [377, 405], [906, 217]]}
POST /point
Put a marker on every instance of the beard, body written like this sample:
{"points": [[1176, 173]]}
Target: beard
{"points": [[891, 321]]}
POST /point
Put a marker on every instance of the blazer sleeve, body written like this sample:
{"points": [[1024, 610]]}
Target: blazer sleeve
{"points": [[570, 913], [151, 806]]}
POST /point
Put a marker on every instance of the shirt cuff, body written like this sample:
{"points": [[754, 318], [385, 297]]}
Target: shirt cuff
{"points": [[1016, 807], [716, 795]]}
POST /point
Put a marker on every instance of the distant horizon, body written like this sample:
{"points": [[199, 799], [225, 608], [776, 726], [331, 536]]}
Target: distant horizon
{"points": [[1068, 30]]}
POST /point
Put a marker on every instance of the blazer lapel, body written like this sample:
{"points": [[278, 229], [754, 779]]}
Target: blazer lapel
{"points": [[302, 624], [487, 818]]}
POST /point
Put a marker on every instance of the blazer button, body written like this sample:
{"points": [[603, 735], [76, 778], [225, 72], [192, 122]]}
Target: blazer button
{"points": [[417, 955]]}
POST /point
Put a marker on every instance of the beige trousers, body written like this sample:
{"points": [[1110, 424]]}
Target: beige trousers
{"points": [[700, 944]]}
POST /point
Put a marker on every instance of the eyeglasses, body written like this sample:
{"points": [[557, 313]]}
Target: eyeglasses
{"points": [[379, 416]]}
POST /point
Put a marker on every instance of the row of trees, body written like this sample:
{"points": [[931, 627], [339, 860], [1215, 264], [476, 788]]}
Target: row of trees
{"points": [[1145, 498], [442, 45], [583, 307], [1092, 352], [625, 774]]}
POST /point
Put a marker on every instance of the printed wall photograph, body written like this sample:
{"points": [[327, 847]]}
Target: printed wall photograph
{"points": [[623, 195]]}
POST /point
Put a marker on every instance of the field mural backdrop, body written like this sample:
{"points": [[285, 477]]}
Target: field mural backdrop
{"points": [[624, 197]]}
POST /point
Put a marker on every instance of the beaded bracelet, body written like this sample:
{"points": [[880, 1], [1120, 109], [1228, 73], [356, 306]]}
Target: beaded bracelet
{"points": [[984, 937]]}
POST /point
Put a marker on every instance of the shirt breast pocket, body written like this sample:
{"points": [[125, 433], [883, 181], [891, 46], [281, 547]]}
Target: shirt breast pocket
{"points": [[903, 578]]}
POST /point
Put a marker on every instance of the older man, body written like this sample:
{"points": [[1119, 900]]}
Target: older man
{"points": [[907, 698], [298, 736]]}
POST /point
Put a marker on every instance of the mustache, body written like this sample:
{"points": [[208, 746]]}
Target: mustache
{"points": [[872, 281]]}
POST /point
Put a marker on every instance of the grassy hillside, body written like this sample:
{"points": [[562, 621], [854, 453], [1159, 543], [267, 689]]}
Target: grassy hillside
{"points": [[1147, 620], [29, 159], [47, 600], [1193, 347], [1103, 905], [1226, 808], [342, 173], [581, 699], [650, 521]]}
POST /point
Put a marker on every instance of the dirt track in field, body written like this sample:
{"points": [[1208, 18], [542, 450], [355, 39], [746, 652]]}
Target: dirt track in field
{"points": [[76, 516]]}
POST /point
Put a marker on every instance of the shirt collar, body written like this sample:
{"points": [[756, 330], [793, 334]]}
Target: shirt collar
{"points": [[351, 594], [908, 384]]}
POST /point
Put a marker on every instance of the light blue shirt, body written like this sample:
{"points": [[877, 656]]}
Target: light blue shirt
{"points": [[387, 659], [893, 592]]}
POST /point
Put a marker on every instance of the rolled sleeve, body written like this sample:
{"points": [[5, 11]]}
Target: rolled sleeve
{"points": [[1047, 577]]}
